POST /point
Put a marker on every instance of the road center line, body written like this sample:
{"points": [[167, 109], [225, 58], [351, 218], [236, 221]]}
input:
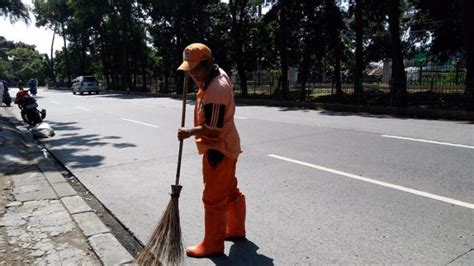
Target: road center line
{"points": [[138, 122], [430, 141], [55, 102], [376, 182], [241, 117], [83, 108]]}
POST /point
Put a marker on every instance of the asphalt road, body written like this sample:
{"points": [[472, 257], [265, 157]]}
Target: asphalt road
{"points": [[322, 187]]}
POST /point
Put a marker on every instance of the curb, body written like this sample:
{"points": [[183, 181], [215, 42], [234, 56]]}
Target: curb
{"points": [[415, 112], [105, 245]]}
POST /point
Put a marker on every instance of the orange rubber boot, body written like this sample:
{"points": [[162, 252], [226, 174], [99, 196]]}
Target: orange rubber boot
{"points": [[214, 232], [236, 219]]}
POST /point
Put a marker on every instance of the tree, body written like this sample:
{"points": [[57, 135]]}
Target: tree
{"points": [[5, 66], [284, 35], [468, 34], [124, 9], [15, 10], [398, 81], [280, 12], [176, 24], [26, 63], [359, 54], [311, 45], [370, 41], [240, 10], [444, 27], [333, 27], [55, 14], [21, 61]]}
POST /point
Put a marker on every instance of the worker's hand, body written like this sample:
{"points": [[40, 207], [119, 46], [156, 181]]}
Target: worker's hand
{"points": [[184, 133]]}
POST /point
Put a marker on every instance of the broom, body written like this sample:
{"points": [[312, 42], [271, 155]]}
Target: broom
{"points": [[165, 244]]}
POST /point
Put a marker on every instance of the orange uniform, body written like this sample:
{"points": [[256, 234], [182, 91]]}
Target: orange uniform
{"points": [[224, 204], [215, 107]]}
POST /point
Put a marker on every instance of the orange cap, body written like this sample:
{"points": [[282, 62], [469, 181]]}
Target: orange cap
{"points": [[193, 54]]}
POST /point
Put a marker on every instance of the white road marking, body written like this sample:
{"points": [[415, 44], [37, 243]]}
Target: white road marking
{"points": [[241, 117], [55, 102], [430, 141], [138, 122], [376, 182], [83, 108]]}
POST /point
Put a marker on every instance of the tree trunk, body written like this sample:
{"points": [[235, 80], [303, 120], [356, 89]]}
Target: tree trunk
{"points": [[165, 88], [283, 48], [304, 73], [125, 74], [333, 27], [179, 52], [238, 43], [86, 66], [66, 55], [115, 67], [144, 76], [77, 53], [134, 79], [468, 8], [305, 66], [337, 67], [53, 77], [104, 58], [107, 80], [359, 57], [309, 48], [126, 80], [399, 89]]}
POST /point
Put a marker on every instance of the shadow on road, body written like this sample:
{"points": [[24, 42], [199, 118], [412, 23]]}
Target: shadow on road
{"points": [[243, 252], [67, 147], [122, 96], [336, 113]]}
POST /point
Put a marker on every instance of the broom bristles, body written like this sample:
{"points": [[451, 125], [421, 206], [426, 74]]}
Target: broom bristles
{"points": [[165, 244]]}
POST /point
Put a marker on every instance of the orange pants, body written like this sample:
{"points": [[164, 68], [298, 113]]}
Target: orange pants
{"points": [[220, 184], [224, 206]]}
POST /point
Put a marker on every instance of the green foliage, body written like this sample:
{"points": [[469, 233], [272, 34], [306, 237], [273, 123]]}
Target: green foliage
{"points": [[21, 61], [440, 20], [14, 10], [124, 42]]}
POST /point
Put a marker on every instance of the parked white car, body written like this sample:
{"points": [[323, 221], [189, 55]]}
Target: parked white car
{"points": [[83, 84]]}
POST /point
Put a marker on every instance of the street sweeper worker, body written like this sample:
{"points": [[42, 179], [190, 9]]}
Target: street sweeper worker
{"points": [[218, 141]]}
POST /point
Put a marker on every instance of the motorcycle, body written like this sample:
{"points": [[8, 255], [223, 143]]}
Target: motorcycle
{"points": [[29, 111], [7, 99], [32, 87]]}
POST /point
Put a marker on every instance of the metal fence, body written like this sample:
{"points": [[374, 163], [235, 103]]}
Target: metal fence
{"points": [[428, 86]]}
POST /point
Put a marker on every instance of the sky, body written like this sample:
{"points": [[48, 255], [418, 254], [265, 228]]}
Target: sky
{"points": [[29, 34]]}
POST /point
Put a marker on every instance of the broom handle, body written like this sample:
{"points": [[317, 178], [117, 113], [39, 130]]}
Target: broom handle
{"points": [[183, 120]]}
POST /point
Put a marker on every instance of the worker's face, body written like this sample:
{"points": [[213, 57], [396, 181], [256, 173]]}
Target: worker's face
{"points": [[199, 74]]}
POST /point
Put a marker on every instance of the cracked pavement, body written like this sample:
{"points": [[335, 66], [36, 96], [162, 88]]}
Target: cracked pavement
{"points": [[35, 227]]}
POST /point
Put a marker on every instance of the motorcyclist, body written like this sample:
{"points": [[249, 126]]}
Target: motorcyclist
{"points": [[28, 106], [20, 94], [32, 85]]}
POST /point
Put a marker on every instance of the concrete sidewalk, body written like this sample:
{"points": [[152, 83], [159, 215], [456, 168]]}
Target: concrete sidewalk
{"points": [[43, 220]]}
